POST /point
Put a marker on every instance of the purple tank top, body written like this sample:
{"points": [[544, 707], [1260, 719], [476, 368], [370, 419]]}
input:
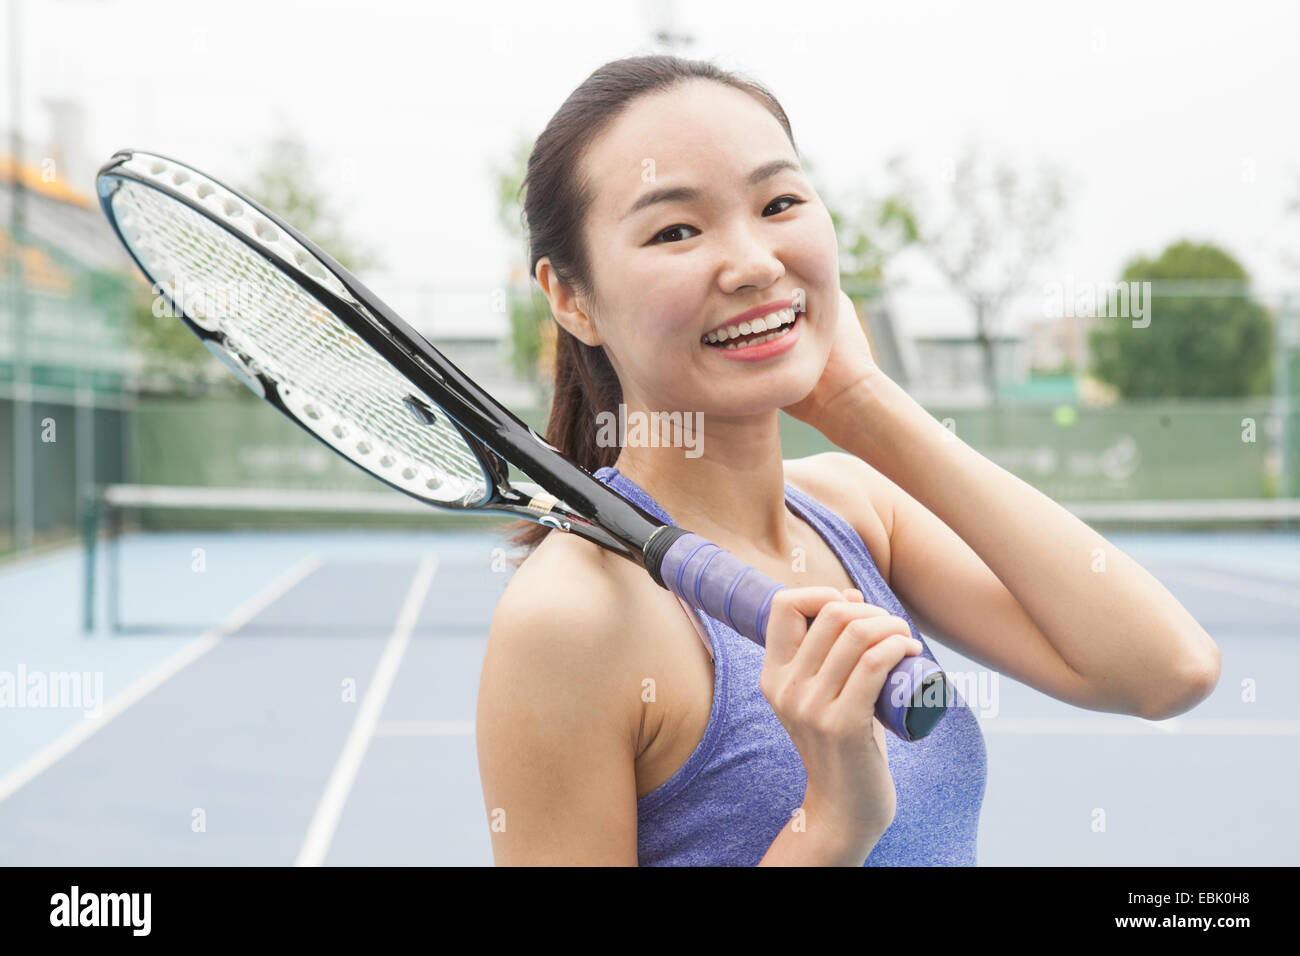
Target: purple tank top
{"points": [[729, 801]]}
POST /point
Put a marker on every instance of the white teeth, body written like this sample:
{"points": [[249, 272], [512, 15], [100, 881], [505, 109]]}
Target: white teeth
{"points": [[761, 324], [784, 330]]}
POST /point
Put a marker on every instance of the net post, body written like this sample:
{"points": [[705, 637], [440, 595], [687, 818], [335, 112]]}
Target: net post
{"points": [[90, 530], [1286, 329], [114, 561]]}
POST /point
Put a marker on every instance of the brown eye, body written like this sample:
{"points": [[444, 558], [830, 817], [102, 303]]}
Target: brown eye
{"points": [[673, 229], [790, 199]]}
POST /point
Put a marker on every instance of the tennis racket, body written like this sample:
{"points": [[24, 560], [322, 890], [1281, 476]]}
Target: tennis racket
{"points": [[305, 335]]}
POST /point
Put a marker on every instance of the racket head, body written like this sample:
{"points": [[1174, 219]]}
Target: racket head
{"points": [[284, 318]]}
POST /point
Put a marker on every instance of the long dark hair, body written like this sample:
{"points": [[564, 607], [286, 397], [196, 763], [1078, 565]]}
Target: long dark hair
{"points": [[556, 203]]}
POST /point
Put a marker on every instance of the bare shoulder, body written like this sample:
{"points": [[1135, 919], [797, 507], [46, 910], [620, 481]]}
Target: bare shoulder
{"points": [[567, 560], [559, 621], [557, 712], [855, 491], [571, 590]]}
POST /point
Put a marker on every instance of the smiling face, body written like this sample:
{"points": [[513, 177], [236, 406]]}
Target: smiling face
{"points": [[701, 214]]}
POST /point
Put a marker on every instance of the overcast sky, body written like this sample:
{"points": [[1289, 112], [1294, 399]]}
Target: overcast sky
{"points": [[1170, 119]]}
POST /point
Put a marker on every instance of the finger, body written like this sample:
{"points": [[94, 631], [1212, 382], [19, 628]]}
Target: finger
{"points": [[873, 668], [853, 642], [825, 633], [788, 620]]}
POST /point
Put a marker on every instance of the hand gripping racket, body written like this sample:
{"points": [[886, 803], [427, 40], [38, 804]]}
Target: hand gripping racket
{"points": [[301, 331]]}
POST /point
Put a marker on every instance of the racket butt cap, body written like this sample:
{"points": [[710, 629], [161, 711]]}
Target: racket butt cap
{"points": [[928, 706]]}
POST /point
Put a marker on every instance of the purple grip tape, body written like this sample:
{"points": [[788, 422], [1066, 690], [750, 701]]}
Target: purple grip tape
{"points": [[702, 574]]}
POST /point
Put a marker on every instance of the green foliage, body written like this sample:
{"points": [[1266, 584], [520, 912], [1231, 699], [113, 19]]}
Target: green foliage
{"points": [[510, 178], [170, 354], [526, 335], [529, 311], [1065, 370], [1207, 343], [869, 237]]}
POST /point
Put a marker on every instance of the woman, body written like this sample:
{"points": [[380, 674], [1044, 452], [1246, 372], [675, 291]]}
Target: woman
{"points": [[665, 201]]}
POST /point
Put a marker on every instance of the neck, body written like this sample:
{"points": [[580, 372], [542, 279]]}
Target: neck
{"points": [[733, 491]]}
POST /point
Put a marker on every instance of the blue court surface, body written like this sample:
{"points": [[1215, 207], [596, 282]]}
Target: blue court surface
{"points": [[309, 698]]}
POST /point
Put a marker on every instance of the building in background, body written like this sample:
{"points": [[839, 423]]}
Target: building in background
{"points": [[950, 369], [894, 349], [74, 280], [74, 275], [1059, 343], [65, 341], [1046, 363], [1058, 351]]}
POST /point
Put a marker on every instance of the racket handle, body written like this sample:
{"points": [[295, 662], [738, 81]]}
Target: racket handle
{"points": [[915, 695]]}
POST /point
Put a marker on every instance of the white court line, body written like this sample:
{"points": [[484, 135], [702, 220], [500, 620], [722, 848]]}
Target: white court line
{"points": [[1186, 726], [425, 728], [52, 753], [326, 818], [1232, 584]]}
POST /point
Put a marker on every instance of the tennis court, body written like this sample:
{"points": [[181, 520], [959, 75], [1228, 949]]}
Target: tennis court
{"points": [[324, 715], [308, 696]]}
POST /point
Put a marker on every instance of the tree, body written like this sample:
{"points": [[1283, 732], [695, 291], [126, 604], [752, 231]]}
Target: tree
{"points": [[1212, 341], [284, 183], [168, 354], [878, 228], [999, 227], [532, 333]]}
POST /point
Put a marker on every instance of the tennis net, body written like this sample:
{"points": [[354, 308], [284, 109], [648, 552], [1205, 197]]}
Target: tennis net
{"points": [[184, 522], [171, 527]]}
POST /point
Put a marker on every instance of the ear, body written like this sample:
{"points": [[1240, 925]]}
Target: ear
{"points": [[567, 309]]}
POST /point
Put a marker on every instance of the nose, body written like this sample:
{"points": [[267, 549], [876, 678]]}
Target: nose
{"points": [[749, 261]]}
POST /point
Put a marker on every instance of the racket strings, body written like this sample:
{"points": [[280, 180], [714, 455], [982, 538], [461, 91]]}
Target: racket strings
{"points": [[332, 381]]}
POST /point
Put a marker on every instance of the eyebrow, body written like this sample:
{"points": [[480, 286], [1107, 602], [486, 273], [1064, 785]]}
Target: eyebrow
{"points": [[690, 194]]}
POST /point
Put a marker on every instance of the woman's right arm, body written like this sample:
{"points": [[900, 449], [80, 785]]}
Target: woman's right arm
{"points": [[557, 721]]}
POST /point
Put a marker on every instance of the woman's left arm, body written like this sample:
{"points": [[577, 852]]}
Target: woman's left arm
{"points": [[1007, 575], [1012, 578]]}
